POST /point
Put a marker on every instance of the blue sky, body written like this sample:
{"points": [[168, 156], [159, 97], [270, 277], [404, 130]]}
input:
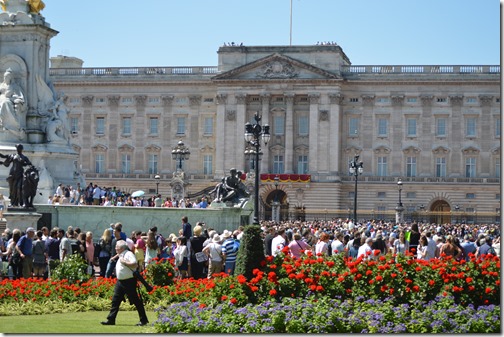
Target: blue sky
{"points": [[189, 32]]}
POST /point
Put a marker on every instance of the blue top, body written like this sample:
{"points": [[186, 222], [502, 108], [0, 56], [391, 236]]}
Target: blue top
{"points": [[26, 245]]}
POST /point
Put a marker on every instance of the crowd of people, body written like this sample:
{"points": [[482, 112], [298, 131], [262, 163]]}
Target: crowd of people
{"points": [[201, 252], [111, 196]]}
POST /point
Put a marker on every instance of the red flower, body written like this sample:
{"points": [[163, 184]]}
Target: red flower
{"points": [[488, 290], [469, 279], [320, 288], [393, 275], [376, 252], [313, 287], [241, 279], [379, 278], [224, 297], [368, 272], [194, 299], [273, 292], [233, 300], [202, 305], [432, 283], [416, 288]]}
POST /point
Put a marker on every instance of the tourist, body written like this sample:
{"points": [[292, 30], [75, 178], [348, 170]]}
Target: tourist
{"points": [[39, 256], [297, 246], [105, 251], [214, 252], [14, 257], [25, 248], [152, 248], [181, 257], [197, 268]]}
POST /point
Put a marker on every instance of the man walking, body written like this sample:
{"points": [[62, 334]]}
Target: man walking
{"points": [[126, 285]]}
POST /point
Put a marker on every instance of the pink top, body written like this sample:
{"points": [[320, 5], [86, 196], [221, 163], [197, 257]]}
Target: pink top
{"points": [[140, 244], [89, 251], [297, 247]]}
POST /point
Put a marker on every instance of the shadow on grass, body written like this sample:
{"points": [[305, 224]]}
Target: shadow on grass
{"points": [[76, 323]]}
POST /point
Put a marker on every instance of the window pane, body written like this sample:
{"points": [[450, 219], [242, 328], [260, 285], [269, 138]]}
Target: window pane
{"points": [[208, 128], [411, 127], [279, 125], [153, 164], [302, 167], [353, 127], [126, 125], [74, 125], [411, 167], [100, 125], [207, 164], [441, 127], [471, 127], [497, 168], [99, 163], [382, 167], [181, 127], [153, 125], [278, 164], [126, 163], [498, 127], [303, 125], [382, 127], [440, 167], [470, 171]]}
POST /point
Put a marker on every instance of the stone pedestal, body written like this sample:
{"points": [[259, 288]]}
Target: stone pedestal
{"points": [[21, 218]]}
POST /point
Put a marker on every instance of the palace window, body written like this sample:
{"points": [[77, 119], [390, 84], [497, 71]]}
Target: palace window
{"points": [[411, 166], [99, 163], [181, 125], [470, 127], [100, 125], [126, 125], [497, 127], [279, 125], [411, 127], [153, 125], [470, 167], [207, 164], [353, 127], [441, 127], [74, 125], [381, 167], [278, 164], [208, 126], [126, 163], [441, 167], [382, 127], [302, 166], [153, 164], [303, 125]]}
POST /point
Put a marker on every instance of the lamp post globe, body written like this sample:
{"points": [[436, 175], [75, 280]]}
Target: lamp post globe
{"points": [[158, 178], [399, 209]]}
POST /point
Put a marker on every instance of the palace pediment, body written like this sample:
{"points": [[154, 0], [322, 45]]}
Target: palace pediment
{"points": [[277, 67]]}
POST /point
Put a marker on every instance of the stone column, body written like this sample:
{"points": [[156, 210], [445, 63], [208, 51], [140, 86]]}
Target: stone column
{"points": [[219, 139], [139, 160], [397, 131], [167, 164], [313, 135], [88, 132], [265, 101], [335, 132], [239, 142], [289, 133], [114, 130]]}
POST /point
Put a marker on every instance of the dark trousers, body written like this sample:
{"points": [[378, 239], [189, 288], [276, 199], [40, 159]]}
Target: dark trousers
{"points": [[129, 288], [103, 265]]}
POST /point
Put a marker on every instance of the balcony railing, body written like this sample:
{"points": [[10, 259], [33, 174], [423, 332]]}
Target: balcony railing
{"points": [[431, 69], [133, 71]]}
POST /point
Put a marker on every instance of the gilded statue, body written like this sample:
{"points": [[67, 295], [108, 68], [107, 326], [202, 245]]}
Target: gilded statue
{"points": [[36, 6]]}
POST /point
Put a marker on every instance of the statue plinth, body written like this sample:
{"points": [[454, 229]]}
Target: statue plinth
{"points": [[21, 218]]}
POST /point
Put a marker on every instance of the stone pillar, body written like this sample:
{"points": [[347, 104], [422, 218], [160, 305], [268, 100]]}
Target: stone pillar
{"points": [[289, 133], [88, 132], [139, 133], [335, 132], [219, 139], [114, 131], [239, 142], [265, 105], [167, 163], [313, 136]]}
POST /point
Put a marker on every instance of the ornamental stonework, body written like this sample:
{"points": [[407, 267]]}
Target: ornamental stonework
{"points": [[241, 99], [87, 101], [140, 100], [323, 115], [368, 100], [221, 98], [456, 100], [167, 100], [113, 101], [336, 98], [194, 100], [231, 115], [277, 69], [397, 100], [485, 100], [426, 100], [314, 98]]}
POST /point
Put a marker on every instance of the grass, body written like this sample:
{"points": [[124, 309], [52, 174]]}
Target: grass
{"points": [[76, 323]]}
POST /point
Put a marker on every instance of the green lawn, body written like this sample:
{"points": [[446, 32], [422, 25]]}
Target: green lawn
{"points": [[76, 323]]}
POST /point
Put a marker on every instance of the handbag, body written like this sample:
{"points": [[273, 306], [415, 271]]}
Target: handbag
{"points": [[201, 257]]}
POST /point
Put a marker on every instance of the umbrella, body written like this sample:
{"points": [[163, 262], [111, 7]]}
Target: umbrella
{"points": [[139, 193]]}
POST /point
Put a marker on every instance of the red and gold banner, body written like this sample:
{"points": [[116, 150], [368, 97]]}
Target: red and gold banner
{"points": [[285, 178]]}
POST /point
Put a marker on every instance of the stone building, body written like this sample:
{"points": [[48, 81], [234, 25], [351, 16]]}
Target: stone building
{"points": [[435, 127]]}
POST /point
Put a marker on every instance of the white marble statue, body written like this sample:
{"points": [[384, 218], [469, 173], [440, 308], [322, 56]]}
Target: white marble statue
{"points": [[12, 105]]}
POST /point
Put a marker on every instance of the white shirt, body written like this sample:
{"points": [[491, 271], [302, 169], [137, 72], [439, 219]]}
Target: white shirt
{"points": [[363, 250], [431, 249], [124, 272], [337, 245], [277, 244]]}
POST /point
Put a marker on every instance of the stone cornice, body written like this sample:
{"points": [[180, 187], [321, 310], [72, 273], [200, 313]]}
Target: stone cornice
{"points": [[221, 98], [195, 100], [87, 101], [113, 100], [336, 98], [456, 100], [485, 100]]}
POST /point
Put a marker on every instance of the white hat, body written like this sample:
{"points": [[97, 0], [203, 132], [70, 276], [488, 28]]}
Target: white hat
{"points": [[226, 234], [216, 238]]}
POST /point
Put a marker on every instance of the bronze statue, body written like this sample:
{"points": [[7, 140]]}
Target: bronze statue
{"points": [[230, 188], [15, 178], [30, 184]]}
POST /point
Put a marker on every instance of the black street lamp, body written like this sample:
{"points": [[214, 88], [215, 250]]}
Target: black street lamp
{"points": [[399, 209], [356, 168], [253, 135], [180, 153], [457, 209], [276, 182], [157, 177]]}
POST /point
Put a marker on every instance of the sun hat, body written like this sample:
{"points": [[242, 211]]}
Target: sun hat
{"points": [[216, 238], [30, 229], [226, 234]]}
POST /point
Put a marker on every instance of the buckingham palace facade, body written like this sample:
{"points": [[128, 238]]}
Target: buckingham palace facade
{"points": [[437, 128]]}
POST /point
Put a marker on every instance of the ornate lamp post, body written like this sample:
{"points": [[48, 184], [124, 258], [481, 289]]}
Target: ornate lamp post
{"points": [[157, 177], [180, 153], [457, 209], [253, 135], [422, 209], [276, 203], [399, 209], [356, 168]]}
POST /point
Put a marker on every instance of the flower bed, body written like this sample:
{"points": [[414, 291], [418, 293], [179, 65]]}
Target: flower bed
{"points": [[392, 282]]}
